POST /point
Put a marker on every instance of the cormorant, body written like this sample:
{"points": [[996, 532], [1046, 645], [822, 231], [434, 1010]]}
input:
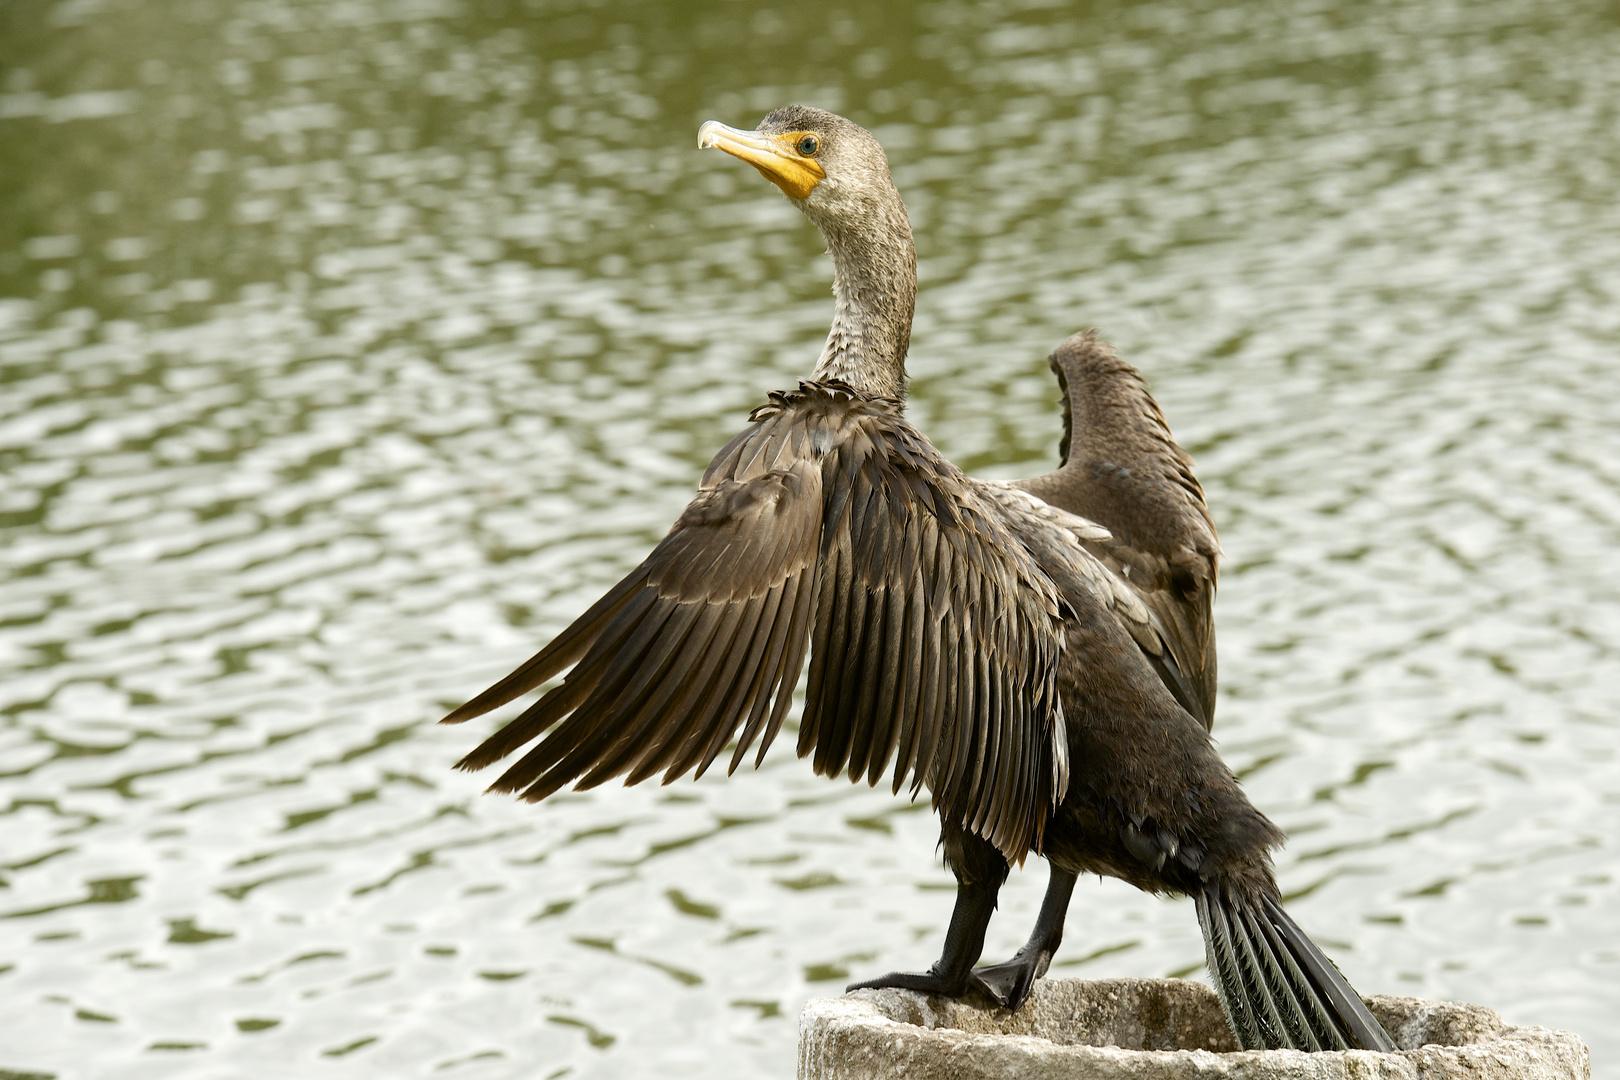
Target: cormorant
{"points": [[1038, 654]]}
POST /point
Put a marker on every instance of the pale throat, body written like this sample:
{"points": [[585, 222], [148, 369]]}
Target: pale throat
{"points": [[874, 291]]}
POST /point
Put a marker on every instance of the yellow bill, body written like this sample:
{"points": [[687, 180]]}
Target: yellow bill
{"points": [[778, 157]]}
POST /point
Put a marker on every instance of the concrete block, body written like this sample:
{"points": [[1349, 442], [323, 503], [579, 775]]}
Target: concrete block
{"points": [[1152, 1029]]}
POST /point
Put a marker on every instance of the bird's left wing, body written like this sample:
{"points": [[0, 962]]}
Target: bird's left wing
{"points": [[1124, 470]]}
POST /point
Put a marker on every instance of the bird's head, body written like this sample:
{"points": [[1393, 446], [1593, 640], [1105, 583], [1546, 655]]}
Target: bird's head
{"points": [[835, 171], [832, 168]]}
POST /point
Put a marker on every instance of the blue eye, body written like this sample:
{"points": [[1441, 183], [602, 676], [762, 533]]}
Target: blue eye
{"points": [[809, 145]]}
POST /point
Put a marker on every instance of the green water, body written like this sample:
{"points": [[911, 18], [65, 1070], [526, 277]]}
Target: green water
{"points": [[348, 349]]}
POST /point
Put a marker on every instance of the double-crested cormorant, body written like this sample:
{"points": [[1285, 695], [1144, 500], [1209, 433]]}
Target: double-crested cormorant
{"points": [[1038, 654]]}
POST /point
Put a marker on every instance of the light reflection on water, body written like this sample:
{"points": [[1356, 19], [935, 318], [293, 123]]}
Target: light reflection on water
{"points": [[350, 349]]}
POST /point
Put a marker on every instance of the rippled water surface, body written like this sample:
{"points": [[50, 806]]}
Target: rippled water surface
{"points": [[350, 348]]}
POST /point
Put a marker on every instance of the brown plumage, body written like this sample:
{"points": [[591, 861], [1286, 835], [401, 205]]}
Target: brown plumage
{"points": [[1121, 468], [1039, 655], [829, 520]]}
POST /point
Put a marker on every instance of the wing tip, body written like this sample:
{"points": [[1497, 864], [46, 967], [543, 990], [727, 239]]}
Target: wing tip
{"points": [[471, 763], [1083, 346]]}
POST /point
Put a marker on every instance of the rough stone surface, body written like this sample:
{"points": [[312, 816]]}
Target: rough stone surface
{"points": [[1152, 1029]]}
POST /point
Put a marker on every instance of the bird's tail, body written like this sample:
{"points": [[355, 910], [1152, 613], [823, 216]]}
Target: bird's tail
{"points": [[1276, 987]]}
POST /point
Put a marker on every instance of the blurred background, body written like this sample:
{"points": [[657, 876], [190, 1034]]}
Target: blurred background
{"points": [[350, 348]]}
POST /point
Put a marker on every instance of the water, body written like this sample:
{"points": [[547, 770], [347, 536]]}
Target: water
{"points": [[349, 349]]}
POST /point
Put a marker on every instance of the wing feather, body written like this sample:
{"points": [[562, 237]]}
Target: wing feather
{"points": [[610, 748], [792, 599], [828, 525], [891, 678], [911, 672], [744, 671], [792, 662], [1122, 469], [867, 686], [573, 699], [705, 723], [565, 649], [674, 728], [833, 618], [832, 736], [933, 704], [581, 740], [961, 735]]}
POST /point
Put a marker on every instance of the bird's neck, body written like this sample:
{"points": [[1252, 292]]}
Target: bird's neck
{"points": [[875, 290]]}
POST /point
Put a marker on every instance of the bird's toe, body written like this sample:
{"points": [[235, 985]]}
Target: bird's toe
{"points": [[927, 982]]}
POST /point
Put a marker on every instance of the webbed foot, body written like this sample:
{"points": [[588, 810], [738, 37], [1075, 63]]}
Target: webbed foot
{"points": [[1011, 982]]}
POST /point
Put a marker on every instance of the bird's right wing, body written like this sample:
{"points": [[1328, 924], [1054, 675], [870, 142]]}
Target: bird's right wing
{"points": [[710, 629], [831, 524]]}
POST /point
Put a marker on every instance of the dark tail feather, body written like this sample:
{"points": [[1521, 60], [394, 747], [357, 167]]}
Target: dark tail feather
{"points": [[1276, 987]]}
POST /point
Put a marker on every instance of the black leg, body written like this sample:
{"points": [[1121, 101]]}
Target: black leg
{"points": [[1011, 982], [980, 870]]}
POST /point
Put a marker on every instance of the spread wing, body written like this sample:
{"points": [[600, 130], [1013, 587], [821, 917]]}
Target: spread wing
{"points": [[828, 524], [1122, 469]]}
